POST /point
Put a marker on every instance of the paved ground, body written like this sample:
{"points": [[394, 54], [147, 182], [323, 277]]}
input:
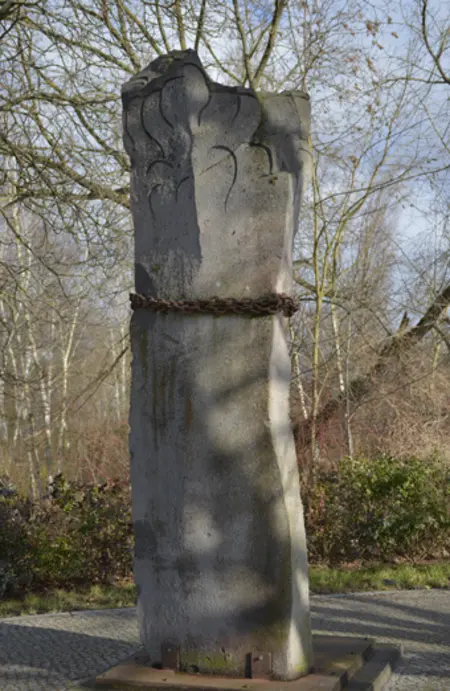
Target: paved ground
{"points": [[419, 619], [52, 651]]}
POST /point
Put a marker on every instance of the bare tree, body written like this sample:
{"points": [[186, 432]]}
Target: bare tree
{"points": [[65, 284]]}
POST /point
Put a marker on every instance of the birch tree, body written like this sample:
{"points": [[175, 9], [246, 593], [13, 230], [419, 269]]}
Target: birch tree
{"points": [[372, 79]]}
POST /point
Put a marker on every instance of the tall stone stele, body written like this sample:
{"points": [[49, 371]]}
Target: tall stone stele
{"points": [[220, 556]]}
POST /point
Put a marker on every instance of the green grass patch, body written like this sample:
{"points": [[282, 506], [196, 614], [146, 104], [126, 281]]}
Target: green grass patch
{"points": [[324, 579], [96, 597]]}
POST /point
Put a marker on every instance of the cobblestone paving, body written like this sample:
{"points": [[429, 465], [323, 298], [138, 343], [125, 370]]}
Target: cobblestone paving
{"points": [[419, 619], [53, 651], [50, 651]]}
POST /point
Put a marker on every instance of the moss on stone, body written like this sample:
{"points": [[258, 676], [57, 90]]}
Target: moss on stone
{"points": [[222, 663], [303, 667], [271, 637]]}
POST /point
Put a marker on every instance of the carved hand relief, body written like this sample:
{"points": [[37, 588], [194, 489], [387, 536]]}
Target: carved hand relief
{"points": [[215, 171], [163, 115]]}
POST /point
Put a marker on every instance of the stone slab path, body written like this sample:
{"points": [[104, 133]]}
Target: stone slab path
{"points": [[52, 651]]}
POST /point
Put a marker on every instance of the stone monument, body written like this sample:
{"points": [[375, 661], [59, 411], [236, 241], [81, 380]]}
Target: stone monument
{"points": [[220, 556]]}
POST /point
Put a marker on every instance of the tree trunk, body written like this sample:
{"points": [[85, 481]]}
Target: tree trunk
{"points": [[341, 379], [360, 387]]}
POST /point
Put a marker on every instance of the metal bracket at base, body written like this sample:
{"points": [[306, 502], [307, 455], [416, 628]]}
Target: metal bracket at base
{"points": [[170, 656], [260, 666]]}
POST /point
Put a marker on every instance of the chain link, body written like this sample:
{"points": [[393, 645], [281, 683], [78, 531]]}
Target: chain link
{"points": [[255, 307]]}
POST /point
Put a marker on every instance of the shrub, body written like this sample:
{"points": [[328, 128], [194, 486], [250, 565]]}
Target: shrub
{"points": [[15, 543], [379, 508], [79, 536], [369, 509]]}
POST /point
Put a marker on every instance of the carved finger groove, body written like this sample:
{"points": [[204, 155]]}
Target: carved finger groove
{"points": [[146, 130], [265, 148], [233, 156]]}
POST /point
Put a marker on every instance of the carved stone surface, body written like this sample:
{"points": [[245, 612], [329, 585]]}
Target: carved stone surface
{"points": [[220, 560]]}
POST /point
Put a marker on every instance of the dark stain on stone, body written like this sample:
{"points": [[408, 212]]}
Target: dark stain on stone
{"points": [[221, 465], [145, 540], [188, 568], [144, 282], [162, 395], [172, 376], [189, 413], [155, 424], [160, 527]]}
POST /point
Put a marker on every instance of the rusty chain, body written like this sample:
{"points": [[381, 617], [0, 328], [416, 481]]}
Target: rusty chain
{"points": [[255, 307]]}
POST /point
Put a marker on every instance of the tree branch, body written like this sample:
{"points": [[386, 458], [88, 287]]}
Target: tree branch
{"points": [[394, 346], [274, 26], [435, 56]]}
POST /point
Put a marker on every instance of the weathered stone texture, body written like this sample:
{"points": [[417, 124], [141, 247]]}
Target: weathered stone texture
{"points": [[217, 178]]}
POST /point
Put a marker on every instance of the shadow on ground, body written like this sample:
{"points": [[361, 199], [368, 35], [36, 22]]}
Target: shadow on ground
{"points": [[420, 620], [62, 649], [53, 651]]}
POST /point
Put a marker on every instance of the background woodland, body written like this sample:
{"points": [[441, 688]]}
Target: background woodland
{"points": [[371, 343]]}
